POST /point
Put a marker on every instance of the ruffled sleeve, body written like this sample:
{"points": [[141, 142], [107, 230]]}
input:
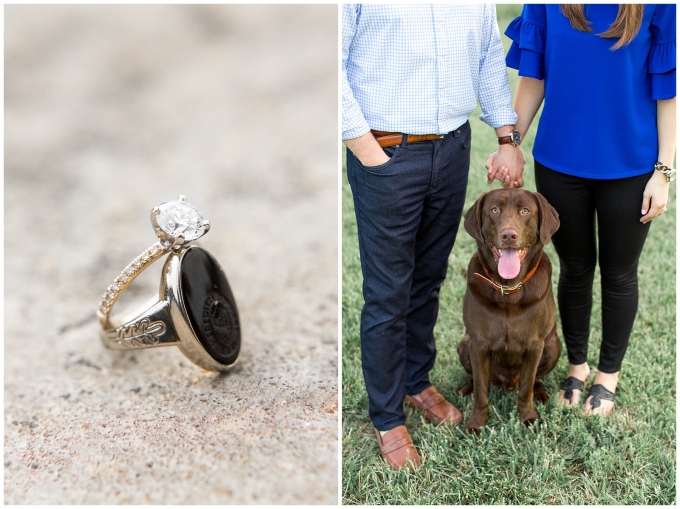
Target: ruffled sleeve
{"points": [[661, 66], [528, 32]]}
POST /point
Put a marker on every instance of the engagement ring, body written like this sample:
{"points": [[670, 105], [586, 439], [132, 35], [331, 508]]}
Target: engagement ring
{"points": [[195, 310]]}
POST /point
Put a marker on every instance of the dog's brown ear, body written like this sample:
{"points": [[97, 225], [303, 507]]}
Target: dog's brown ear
{"points": [[549, 219], [473, 219]]}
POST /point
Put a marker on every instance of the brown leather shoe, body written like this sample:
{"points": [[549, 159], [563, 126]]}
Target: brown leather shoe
{"points": [[397, 448], [436, 408]]}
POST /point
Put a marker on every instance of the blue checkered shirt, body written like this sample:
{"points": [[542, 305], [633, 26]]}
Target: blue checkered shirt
{"points": [[420, 69]]}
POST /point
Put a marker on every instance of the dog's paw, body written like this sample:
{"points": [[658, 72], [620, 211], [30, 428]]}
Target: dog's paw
{"points": [[474, 426], [529, 418], [540, 395], [472, 429], [468, 389]]}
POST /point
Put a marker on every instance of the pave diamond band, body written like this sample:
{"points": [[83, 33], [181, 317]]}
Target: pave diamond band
{"points": [[127, 275]]}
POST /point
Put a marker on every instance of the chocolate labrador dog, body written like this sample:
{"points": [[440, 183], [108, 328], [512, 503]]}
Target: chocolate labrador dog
{"points": [[508, 308]]}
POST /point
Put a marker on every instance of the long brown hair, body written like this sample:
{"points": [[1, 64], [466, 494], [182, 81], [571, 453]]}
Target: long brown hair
{"points": [[625, 26]]}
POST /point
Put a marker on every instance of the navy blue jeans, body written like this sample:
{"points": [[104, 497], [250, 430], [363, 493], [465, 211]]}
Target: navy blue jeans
{"points": [[408, 211]]}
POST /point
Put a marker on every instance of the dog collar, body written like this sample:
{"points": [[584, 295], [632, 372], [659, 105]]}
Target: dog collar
{"points": [[506, 290]]}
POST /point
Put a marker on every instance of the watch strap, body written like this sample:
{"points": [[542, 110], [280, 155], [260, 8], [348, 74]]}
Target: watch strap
{"points": [[514, 139]]}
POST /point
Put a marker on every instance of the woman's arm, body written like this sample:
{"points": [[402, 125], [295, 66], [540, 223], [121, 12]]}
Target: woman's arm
{"points": [[665, 123], [530, 93], [655, 197]]}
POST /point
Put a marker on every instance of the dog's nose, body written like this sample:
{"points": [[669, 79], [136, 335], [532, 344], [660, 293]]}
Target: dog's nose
{"points": [[509, 235]]}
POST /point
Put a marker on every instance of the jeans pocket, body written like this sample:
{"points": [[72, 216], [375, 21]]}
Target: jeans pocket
{"points": [[392, 152]]}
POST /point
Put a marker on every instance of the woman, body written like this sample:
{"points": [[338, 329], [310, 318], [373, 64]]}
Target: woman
{"points": [[603, 152]]}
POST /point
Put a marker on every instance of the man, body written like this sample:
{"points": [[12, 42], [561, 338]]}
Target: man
{"points": [[412, 75]]}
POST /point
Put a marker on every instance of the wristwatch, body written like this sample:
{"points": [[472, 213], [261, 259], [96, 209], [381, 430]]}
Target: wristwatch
{"points": [[668, 172], [514, 139]]}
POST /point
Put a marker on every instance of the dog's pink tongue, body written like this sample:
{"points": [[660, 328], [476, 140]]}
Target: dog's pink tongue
{"points": [[508, 264]]}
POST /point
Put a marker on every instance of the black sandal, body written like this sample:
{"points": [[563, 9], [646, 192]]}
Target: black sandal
{"points": [[570, 385], [599, 392]]}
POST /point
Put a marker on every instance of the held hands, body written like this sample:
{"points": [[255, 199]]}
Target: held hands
{"points": [[506, 165], [655, 197]]}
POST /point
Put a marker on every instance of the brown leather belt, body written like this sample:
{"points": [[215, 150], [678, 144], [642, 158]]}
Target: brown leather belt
{"points": [[386, 139]]}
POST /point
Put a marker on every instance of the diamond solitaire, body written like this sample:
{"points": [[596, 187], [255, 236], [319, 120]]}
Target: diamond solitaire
{"points": [[177, 222]]}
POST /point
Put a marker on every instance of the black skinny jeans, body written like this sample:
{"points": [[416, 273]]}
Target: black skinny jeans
{"points": [[616, 205]]}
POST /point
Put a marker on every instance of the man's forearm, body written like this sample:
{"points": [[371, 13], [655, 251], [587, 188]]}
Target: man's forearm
{"points": [[665, 121], [504, 130], [367, 150]]}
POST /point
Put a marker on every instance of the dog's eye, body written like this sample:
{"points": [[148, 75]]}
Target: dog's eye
{"points": [[525, 211], [495, 210]]}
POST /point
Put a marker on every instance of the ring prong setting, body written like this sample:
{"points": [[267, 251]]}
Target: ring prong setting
{"points": [[179, 241]]}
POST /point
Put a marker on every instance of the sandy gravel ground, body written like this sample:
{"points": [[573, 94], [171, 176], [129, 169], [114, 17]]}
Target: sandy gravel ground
{"points": [[110, 110]]}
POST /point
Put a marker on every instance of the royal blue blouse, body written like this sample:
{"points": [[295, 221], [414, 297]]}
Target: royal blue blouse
{"points": [[599, 114]]}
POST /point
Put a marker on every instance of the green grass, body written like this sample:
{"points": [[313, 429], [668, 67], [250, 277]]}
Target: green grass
{"points": [[566, 458]]}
